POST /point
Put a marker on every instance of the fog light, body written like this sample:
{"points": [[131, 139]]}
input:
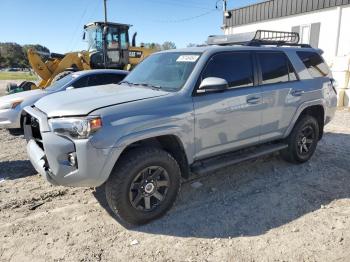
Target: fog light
{"points": [[72, 159]]}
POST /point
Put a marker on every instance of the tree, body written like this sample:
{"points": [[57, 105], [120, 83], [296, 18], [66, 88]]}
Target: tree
{"points": [[192, 45], [168, 45], [38, 48], [2, 61], [165, 46], [155, 46], [14, 55]]}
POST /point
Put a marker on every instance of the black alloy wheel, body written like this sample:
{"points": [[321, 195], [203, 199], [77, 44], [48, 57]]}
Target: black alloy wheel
{"points": [[306, 139], [149, 188], [143, 185], [302, 141]]}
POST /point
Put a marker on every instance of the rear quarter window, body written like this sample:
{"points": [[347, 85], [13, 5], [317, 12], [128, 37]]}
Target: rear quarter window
{"points": [[314, 63]]}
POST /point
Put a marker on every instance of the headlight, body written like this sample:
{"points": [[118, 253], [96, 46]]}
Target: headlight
{"points": [[79, 128], [10, 105]]}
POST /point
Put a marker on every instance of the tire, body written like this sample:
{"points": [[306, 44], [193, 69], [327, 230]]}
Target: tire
{"points": [[302, 141], [126, 185], [11, 87], [59, 76], [26, 85]]}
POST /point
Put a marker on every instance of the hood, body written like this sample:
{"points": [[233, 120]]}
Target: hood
{"points": [[82, 101], [20, 95]]}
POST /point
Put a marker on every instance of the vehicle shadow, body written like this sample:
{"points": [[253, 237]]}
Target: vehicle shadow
{"points": [[16, 131], [254, 197], [11, 170]]}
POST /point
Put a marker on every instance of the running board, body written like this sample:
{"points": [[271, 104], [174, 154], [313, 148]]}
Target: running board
{"points": [[228, 159]]}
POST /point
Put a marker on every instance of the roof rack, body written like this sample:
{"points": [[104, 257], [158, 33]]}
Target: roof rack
{"points": [[258, 38]]}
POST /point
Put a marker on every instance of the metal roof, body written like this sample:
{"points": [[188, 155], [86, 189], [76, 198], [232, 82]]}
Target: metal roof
{"points": [[99, 23], [277, 9]]}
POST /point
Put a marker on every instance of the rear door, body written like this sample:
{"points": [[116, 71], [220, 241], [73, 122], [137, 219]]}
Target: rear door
{"points": [[281, 93], [225, 121]]}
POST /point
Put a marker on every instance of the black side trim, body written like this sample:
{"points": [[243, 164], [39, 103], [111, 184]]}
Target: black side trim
{"points": [[228, 159]]}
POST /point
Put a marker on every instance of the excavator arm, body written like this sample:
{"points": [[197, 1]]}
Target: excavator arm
{"points": [[48, 69]]}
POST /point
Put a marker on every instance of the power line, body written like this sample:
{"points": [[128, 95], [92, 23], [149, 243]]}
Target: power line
{"points": [[180, 4], [89, 15], [187, 18], [74, 36]]}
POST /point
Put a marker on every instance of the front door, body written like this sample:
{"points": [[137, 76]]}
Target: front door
{"points": [[228, 120]]}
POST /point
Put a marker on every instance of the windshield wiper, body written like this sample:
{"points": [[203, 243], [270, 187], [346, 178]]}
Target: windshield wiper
{"points": [[126, 82], [151, 86], [140, 84]]}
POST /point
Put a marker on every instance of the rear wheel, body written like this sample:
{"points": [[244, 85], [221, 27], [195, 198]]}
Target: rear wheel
{"points": [[302, 141], [143, 186], [26, 85]]}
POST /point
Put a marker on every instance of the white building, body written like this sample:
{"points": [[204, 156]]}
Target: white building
{"points": [[322, 23]]}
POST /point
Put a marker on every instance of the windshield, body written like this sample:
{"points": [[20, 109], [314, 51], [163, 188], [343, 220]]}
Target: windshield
{"points": [[57, 86], [116, 38], [94, 38], [168, 71]]}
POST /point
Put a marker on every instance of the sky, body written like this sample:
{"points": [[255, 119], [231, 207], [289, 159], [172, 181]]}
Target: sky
{"points": [[58, 24]]}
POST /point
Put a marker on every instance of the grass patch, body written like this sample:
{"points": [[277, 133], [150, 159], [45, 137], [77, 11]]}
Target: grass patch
{"points": [[18, 76]]}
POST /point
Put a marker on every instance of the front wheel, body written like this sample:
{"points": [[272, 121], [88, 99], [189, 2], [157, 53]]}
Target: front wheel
{"points": [[143, 186], [27, 85], [302, 141]]}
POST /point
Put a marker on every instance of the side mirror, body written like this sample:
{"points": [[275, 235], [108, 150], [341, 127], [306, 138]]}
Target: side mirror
{"points": [[84, 35], [212, 84], [69, 88]]}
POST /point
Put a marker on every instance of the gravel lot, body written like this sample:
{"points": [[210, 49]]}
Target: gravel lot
{"points": [[3, 84], [263, 210]]}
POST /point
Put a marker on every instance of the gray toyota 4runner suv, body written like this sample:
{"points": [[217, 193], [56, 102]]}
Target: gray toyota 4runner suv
{"points": [[183, 111]]}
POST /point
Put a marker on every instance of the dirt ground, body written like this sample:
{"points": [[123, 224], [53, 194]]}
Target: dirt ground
{"points": [[3, 84], [262, 210]]}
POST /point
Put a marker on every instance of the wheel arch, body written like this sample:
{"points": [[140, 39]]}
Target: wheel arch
{"points": [[313, 108], [169, 142]]}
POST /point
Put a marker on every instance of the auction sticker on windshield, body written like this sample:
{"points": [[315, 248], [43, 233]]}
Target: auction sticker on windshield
{"points": [[188, 58]]}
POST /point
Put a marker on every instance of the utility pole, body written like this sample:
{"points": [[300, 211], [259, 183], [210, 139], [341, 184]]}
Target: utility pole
{"points": [[224, 5], [105, 8], [104, 35], [227, 14]]}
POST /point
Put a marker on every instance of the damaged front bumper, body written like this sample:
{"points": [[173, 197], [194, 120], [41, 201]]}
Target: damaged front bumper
{"points": [[51, 154]]}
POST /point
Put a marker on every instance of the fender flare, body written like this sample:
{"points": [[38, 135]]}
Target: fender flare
{"points": [[122, 143], [301, 108], [131, 138]]}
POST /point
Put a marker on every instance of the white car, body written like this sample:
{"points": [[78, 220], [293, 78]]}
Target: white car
{"points": [[11, 106]]}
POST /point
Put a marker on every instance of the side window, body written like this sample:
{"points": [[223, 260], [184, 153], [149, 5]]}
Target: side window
{"points": [[236, 68], [105, 79], [275, 68], [95, 80], [82, 82], [314, 63], [113, 78]]}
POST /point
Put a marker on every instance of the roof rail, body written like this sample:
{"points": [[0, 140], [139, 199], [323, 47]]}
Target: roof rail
{"points": [[258, 38]]}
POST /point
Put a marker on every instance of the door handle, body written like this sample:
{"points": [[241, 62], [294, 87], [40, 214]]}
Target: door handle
{"points": [[297, 92], [253, 100]]}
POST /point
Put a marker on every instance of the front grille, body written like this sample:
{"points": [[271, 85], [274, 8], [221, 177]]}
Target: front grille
{"points": [[35, 128]]}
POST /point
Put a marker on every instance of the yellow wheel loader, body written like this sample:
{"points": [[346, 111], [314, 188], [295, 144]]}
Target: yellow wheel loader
{"points": [[109, 47]]}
